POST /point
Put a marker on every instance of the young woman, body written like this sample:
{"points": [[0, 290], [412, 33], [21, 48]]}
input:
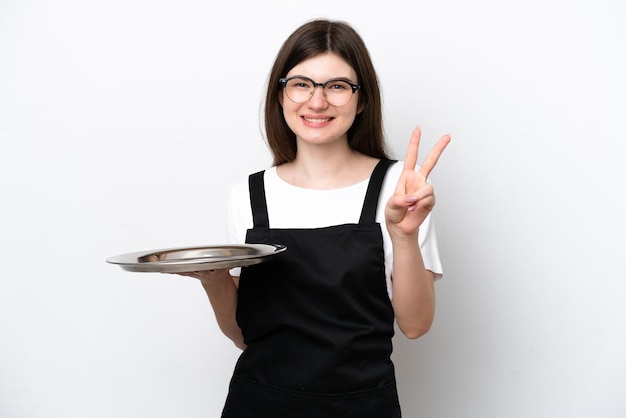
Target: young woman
{"points": [[315, 323]]}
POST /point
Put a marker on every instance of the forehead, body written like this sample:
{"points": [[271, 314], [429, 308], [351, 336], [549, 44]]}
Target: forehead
{"points": [[323, 67]]}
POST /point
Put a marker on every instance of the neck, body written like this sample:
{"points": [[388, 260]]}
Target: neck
{"points": [[326, 167]]}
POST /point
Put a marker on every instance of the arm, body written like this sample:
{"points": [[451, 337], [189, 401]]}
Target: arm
{"points": [[413, 288], [412, 201]]}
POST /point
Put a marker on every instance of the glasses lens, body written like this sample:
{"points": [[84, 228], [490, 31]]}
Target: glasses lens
{"points": [[299, 90], [336, 92]]}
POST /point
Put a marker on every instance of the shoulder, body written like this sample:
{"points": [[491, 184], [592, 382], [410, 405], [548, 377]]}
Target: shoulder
{"points": [[239, 190], [393, 175], [241, 186], [395, 169]]}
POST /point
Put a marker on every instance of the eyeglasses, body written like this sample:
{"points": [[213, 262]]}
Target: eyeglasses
{"points": [[337, 92]]}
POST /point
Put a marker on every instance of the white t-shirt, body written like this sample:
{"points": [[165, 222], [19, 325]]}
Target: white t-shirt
{"points": [[289, 206]]}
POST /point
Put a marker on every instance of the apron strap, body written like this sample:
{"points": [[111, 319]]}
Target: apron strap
{"points": [[370, 204], [257, 200]]}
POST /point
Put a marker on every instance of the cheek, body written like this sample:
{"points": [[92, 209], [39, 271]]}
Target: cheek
{"points": [[289, 116], [289, 108]]}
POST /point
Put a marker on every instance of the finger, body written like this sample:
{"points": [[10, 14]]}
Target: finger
{"points": [[410, 159], [397, 202], [187, 273], [433, 156]]}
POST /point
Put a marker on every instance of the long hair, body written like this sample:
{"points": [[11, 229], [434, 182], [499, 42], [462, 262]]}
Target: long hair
{"points": [[309, 40]]}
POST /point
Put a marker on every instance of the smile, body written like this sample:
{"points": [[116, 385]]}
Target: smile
{"points": [[317, 120]]}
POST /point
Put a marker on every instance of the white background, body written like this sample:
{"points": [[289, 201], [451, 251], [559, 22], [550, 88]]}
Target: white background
{"points": [[124, 122]]}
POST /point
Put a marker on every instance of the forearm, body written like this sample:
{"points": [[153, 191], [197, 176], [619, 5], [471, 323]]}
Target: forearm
{"points": [[413, 288], [222, 293]]}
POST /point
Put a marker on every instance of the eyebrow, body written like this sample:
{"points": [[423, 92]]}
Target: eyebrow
{"points": [[342, 78]]}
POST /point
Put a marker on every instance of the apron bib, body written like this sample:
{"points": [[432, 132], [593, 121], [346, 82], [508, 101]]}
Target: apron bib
{"points": [[316, 319]]}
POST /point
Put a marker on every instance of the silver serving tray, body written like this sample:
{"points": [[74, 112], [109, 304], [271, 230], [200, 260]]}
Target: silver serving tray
{"points": [[188, 259]]}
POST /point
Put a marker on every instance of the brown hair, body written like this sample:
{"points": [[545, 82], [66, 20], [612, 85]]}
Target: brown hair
{"points": [[311, 39]]}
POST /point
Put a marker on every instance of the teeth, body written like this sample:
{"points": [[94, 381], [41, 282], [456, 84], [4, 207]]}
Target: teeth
{"points": [[316, 120]]}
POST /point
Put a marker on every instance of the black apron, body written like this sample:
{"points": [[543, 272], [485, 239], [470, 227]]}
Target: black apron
{"points": [[316, 319]]}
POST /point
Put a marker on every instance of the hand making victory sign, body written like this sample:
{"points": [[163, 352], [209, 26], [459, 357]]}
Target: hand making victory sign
{"points": [[414, 197]]}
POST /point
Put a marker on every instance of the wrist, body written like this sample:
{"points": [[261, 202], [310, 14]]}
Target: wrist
{"points": [[399, 237], [215, 278]]}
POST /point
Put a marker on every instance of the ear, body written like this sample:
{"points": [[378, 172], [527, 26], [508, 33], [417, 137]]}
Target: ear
{"points": [[360, 109]]}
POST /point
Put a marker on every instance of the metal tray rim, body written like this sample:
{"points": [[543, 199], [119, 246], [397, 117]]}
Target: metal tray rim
{"points": [[130, 261]]}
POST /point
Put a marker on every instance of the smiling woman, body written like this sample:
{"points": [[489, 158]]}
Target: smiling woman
{"points": [[315, 323]]}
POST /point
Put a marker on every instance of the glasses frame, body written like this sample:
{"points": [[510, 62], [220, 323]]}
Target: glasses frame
{"points": [[283, 82]]}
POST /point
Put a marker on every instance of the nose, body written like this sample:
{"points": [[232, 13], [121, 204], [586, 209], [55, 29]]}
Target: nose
{"points": [[318, 98]]}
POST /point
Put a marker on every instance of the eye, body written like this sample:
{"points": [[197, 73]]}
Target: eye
{"points": [[300, 83], [338, 85]]}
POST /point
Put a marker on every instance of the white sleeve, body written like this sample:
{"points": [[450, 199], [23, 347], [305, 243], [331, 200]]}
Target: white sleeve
{"points": [[239, 216], [429, 246]]}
